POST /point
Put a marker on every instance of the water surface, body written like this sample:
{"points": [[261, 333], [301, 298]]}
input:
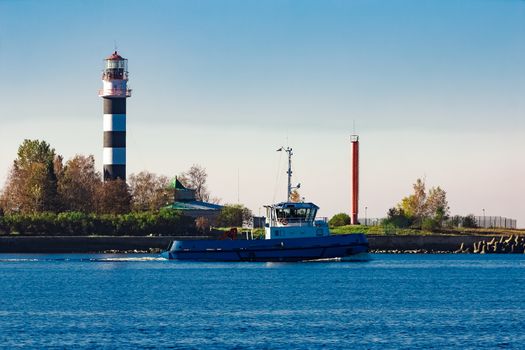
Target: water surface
{"points": [[143, 301]]}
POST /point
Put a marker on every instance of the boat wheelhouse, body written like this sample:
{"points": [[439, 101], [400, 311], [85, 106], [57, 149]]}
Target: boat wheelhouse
{"points": [[294, 220]]}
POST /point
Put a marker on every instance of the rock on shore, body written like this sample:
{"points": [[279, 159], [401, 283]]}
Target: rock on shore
{"points": [[514, 244]]}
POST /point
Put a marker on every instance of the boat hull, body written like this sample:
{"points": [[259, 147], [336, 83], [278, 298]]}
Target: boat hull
{"points": [[290, 249]]}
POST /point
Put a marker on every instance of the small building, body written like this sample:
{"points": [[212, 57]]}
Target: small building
{"points": [[185, 201]]}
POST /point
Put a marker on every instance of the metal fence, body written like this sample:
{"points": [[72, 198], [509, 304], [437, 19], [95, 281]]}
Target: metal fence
{"points": [[370, 221], [495, 222], [481, 221]]}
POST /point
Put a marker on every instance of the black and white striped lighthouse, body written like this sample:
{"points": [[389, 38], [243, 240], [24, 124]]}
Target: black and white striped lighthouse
{"points": [[114, 93]]}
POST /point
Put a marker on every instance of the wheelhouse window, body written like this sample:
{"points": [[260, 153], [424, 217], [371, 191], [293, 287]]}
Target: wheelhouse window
{"points": [[294, 215]]}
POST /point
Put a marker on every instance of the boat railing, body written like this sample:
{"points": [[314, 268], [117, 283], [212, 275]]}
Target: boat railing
{"points": [[297, 221], [301, 222], [283, 222]]}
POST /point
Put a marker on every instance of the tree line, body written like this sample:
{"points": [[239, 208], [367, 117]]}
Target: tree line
{"points": [[422, 209], [40, 181], [427, 210], [43, 194]]}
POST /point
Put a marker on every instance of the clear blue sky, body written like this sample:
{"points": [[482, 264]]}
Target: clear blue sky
{"points": [[436, 89]]}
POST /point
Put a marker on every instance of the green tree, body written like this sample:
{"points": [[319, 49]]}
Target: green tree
{"points": [[340, 219], [31, 185], [233, 215], [34, 151], [397, 217], [430, 224]]}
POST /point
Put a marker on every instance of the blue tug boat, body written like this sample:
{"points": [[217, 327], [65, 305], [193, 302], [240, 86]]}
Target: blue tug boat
{"points": [[292, 233]]}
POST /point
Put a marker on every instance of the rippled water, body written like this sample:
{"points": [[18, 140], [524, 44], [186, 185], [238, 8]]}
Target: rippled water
{"points": [[142, 301]]}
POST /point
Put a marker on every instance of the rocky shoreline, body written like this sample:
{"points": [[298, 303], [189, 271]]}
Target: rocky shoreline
{"points": [[513, 244], [409, 251]]}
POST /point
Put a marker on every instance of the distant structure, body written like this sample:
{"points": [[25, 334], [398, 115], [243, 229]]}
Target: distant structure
{"points": [[185, 201], [114, 93], [355, 179]]}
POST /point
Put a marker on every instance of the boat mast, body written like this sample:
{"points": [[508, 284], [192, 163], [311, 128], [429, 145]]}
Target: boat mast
{"points": [[289, 172]]}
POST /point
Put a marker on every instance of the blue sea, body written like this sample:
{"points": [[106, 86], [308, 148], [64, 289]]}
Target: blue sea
{"points": [[102, 301]]}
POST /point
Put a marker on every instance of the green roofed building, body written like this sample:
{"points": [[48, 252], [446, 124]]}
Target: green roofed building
{"points": [[184, 200]]}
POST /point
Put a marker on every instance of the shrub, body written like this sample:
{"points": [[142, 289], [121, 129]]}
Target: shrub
{"points": [[397, 218], [164, 222], [429, 224], [341, 219], [73, 223], [388, 228], [233, 215], [41, 223], [454, 221], [469, 221]]}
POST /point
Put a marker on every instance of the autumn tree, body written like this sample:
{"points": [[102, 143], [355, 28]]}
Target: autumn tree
{"points": [[31, 185], [414, 206], [195, 178], [202, 224], [58, 165], [437, 205], [431, 208], [78, 183], [113, 197], [149, 191]]}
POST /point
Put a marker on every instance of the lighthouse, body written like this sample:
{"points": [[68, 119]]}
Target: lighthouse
{"points": [[114, 93]]}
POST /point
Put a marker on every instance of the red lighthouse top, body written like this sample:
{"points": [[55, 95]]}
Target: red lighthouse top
{"points": [[115, 57]]}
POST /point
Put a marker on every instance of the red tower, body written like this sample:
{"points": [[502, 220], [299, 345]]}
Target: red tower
{"points": [[355, 179]]}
